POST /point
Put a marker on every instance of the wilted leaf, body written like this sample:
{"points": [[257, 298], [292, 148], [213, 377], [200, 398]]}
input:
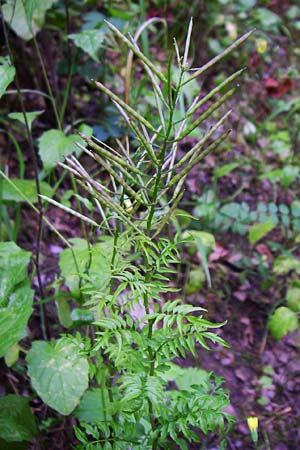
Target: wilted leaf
{"points": [[59, 373], [282, 321]]}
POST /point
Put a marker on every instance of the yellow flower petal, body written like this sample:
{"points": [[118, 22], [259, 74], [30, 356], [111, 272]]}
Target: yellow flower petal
{"points": [[261, 45], [252, 423]]}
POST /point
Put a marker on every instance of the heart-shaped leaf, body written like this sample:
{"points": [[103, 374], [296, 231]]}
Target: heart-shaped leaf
{"points": [[89, 41], [59, 373]]}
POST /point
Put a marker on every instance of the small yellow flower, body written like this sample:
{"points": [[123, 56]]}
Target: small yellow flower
{"points": [[261, 45], [128, 205], [252, 423]]}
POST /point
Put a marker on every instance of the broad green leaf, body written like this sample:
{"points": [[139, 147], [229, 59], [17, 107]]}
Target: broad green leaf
{"points": [[7, 74], [63, 311], [14, 317], [288, 175], [15, 295], [17, 422], [267, 20], [27, 17], [31, 116], [293, 12], [94, 261], [89, 41], [12, 355], [283, 264], [27, 187], [274, 175], [13, 268], [293, 298], [203, 253], [208, 239], [186, 377], [225, 170], [282, 321], [59, 373], [246, 5], [195, 281], [94, 406], [259, 230], [54, 146], [81, 316]]}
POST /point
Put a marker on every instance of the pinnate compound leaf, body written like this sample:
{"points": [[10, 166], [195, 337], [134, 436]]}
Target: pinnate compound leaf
{"points": [[7, 74], [27, 187], [17, 422], [259, 230], [89, 41], [59, 373], [282, 321]]}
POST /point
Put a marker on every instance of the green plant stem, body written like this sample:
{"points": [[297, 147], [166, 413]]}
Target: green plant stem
{"points": [[153, 206], [67, 95], [48, 86], [161, 159]]}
